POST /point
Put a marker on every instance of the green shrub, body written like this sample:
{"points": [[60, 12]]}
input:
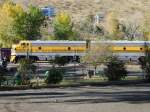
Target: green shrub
{"points": [[54, 76], [115, 69], [18, 78]]}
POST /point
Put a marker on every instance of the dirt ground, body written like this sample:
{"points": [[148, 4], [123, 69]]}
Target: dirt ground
{"points": [[130, 98]]}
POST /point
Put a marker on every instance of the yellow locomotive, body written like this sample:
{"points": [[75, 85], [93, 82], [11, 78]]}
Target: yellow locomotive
{"points": [[48, 50]]}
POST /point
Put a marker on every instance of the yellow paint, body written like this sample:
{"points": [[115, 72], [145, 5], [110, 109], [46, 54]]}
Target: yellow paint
{"points": [[127, 49], [12, 59], [47, 49]]}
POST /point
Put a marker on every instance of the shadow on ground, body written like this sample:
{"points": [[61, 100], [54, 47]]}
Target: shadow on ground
{"points": [[139, 93]]}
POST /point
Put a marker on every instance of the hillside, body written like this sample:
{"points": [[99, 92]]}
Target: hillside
{"points": [[79, 9]]}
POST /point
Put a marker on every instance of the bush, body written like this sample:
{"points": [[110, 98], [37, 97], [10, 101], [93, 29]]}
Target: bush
{"points": [[61, 61], [54, 76], [26, 68], [3, 72], [115, 69]]}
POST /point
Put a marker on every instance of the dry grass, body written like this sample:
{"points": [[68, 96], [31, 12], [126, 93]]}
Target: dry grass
{"points": [[79, 9]]}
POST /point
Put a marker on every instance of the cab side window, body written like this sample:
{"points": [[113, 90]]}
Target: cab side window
{"points": [[24, 44]]}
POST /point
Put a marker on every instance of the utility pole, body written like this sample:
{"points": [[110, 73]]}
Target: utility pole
{"points": [[27, 54], [74, 59]]}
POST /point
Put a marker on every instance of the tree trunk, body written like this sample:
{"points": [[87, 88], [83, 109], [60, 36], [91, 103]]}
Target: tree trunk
{"points": [[95, 70]]}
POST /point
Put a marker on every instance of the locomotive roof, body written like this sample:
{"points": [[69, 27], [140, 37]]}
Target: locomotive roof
{"points": [[123, 41], [57, 42], [83, 42]]}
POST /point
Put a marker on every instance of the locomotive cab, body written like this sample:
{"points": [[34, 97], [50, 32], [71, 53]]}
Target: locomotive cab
{"points": [[18, 51]]}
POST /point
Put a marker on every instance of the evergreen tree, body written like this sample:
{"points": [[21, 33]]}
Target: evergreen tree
{"points": [[115, 69]]}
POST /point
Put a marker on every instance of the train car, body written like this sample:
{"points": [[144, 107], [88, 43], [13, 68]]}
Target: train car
{"points": [[5, 53], [128, 50], [48, 50]]}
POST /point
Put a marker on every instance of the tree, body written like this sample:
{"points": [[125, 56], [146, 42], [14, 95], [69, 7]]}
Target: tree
{"points": [[112, 26], [63, 27], [25, 69], [146, 26], [27, 24], [88, 29], [130, 30], [88, 24], [8, 13], [98, 54], [17, 24], [145, 61], [55, 76], [115, 69]]}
